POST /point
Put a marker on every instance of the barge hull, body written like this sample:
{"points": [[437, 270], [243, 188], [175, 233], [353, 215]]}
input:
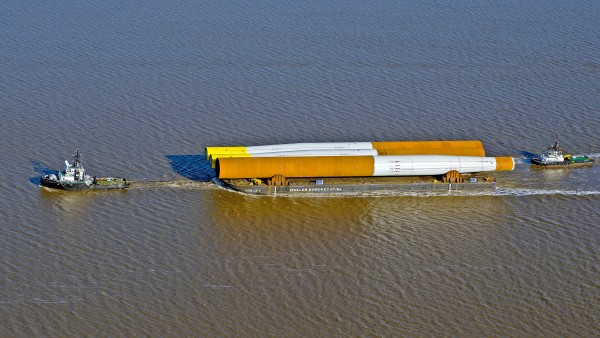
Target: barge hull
{"points": [[361, 188]]}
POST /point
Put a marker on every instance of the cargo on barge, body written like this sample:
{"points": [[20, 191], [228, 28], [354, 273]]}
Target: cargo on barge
{"points": [[359, 174], [356, 167]]}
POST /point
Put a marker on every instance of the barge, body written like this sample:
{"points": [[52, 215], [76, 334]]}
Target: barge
{"points": [[356, 167], [336, 185]]}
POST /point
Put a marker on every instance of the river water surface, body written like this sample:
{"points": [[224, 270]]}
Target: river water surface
{"points": [[142, 87]]}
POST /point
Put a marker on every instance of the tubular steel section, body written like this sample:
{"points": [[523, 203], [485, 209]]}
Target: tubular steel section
{"points": [[433, 151], [301, 153], [308, 146], [458, 147], [224, 150], [323, 166], [356, 166], [505, 163], [453, 147], [422, 165], [286, 147]]}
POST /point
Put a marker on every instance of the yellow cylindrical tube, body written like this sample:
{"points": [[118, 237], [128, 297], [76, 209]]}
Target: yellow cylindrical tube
{"points": [[213, 157], [323, 166], [505, 164], [224, 150], [457, 147]]}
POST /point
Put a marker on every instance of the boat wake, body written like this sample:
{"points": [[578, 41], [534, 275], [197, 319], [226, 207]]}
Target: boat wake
{"points": [[595, 155], [545, 192], [516, 192], [522, 160], [519, 192]]}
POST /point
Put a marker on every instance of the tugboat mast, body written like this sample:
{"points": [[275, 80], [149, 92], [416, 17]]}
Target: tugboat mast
{"points": [[556, 146], [77, 163], [79, 172]]}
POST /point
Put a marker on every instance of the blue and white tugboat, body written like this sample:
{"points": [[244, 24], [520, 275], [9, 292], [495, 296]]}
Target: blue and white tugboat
{"points": [[553, 157], [73, 177]]}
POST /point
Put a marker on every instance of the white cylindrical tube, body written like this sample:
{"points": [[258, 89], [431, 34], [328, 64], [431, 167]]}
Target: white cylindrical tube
{"points": [[418, 165], [308, 146], [319, 152]]}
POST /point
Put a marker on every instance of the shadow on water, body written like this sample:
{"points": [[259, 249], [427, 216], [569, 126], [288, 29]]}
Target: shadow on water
{"points": [[193, 167], [40, 169], [528, 155]]}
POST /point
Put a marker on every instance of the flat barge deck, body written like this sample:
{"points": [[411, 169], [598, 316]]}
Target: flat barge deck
{"points": [[359, 185]]}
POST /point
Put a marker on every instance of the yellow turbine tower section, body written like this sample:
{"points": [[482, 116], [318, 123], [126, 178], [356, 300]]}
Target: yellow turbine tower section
{"points": [[322, 166], [357, 166], [505, 163], [454, 147], [458, 148], [225, 150]]}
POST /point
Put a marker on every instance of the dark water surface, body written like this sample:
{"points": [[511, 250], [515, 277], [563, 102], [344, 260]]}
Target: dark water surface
{"points": [[142, 87]]}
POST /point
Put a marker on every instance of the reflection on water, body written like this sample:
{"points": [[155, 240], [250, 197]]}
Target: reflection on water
{"points": [[555, 174], [70, 204], [393, 253], [351, 228], [341, 224]]}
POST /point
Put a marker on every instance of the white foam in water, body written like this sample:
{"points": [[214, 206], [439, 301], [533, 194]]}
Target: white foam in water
{"points": [[532, 192]]}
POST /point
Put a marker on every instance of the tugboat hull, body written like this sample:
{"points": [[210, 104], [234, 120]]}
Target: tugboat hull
{"points": [[100, 184]]}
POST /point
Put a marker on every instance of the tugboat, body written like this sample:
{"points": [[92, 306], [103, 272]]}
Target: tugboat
{"points": [[73, 177], [553, 157]]}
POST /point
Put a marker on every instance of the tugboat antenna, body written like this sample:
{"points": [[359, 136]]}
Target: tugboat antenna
{"points": [[77, 162]]}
